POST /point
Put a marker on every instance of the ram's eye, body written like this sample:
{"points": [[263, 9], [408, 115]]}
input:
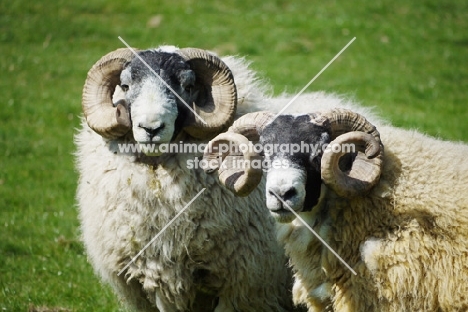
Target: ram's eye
{"points": [[188, 88], [124, 87]]}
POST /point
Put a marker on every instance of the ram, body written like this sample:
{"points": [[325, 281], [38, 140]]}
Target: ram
{"points": [[398, 218], [221, 253]]}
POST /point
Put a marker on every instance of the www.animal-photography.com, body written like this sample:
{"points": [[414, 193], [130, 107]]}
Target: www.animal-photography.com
{"points": [[103, 209]]}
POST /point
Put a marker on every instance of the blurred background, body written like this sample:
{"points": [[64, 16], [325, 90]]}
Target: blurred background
{"points": [[409, 61]]}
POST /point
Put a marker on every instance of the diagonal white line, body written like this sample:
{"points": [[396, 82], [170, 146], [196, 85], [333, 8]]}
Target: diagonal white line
{"points": [[315, 233], [162, 80], [313, 79], [160, 232]]}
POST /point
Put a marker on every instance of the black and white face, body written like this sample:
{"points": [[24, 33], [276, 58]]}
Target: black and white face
{"points": [[285, 187], [295, 181], [154, 109]]}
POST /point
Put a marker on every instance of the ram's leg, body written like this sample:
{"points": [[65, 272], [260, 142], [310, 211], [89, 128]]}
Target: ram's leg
{"points": [[131, 294], [224, 305], [163, 304]]}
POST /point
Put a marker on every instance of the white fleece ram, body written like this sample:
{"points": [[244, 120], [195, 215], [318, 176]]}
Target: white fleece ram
{"points": [[407, 240], [221, 245]]}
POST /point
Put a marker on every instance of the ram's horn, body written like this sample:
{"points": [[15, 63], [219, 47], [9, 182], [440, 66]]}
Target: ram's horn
{"points": [[108, 121], [217, 95], [348, 127], [238, 170], [251, 125]]}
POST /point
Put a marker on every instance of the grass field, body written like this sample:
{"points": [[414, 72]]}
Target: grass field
{"points": [[409, 60]]}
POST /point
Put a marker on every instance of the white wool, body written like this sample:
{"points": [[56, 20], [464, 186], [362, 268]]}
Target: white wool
{"points": [[370, 250], [167, 48], [124, 202], [406, 239], [221, 245]]}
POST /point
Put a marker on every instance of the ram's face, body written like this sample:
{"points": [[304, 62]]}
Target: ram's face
{"points": [[301, 159], [293, 179], [154, 106], [153, 109]]}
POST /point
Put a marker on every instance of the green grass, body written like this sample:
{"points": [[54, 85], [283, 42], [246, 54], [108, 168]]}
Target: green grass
{"points": [[409, 61]]}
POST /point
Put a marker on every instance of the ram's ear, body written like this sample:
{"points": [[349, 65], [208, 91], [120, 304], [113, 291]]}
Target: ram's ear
{"points": [[118, 98], [186, 79], [216, 101]]}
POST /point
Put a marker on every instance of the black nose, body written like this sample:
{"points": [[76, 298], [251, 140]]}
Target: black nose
{"points": [[284, 195], [152, 132], [289, 193]]}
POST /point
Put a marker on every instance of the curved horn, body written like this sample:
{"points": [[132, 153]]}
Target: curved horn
{"points": [[348, 127], [217, 99], [101, 115], [344, 120], [237, 171], [250, 125]]}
